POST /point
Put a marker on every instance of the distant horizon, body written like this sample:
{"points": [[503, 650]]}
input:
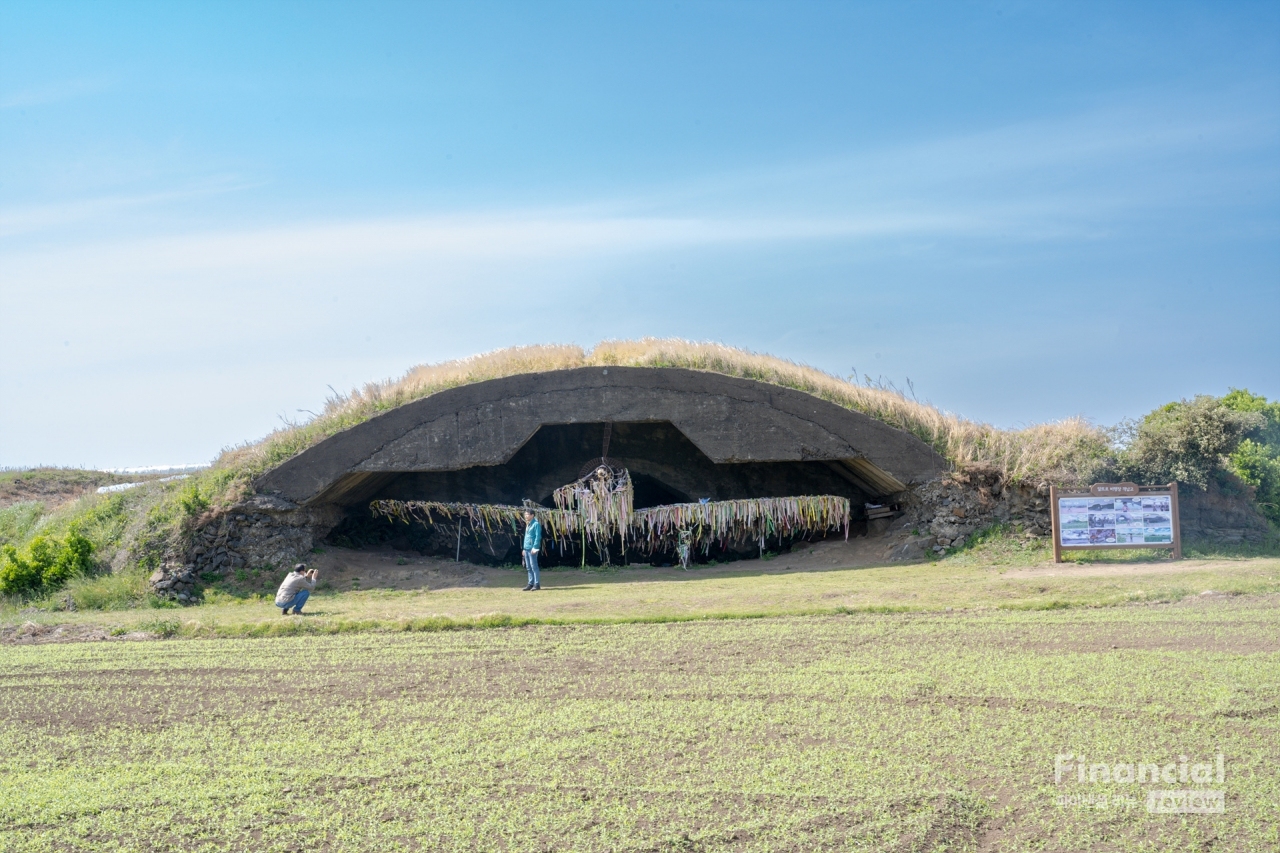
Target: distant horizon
{"points": [[212, 215]]}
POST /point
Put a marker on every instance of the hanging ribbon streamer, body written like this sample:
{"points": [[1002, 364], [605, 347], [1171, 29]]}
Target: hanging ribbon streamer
{"points": [[599, 507]]}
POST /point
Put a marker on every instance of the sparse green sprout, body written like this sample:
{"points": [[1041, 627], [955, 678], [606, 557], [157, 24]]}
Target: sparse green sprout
{"points": [[162, 627]]}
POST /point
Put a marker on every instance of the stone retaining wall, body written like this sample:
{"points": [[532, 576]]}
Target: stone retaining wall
{"points": [[261, 531], [946, 511], [956, 506], [1222, 513]]}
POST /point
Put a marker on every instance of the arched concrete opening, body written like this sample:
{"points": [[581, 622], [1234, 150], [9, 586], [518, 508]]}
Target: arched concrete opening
{"points": [[682, 434]]}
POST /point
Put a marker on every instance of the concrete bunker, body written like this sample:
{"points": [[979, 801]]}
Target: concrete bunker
{"points": [[682, 434]]}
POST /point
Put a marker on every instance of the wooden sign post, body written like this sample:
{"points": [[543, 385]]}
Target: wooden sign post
{"points": [[1115, 515]]}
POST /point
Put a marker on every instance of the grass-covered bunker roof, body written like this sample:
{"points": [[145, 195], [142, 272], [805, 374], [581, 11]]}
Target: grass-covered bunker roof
{"points": [[682, 433], [311, 461]]}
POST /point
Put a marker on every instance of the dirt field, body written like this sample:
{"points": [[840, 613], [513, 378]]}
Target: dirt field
{"points": [[860, 732]]}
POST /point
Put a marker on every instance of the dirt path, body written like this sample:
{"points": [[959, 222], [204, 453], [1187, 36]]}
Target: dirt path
{"points": [[1111, 570], [388, 569], [346, 569]]}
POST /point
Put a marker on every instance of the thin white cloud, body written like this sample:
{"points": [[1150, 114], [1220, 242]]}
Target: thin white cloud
{"points": [[52, 93], [1126, 150], [372, 244], [49, 217]]}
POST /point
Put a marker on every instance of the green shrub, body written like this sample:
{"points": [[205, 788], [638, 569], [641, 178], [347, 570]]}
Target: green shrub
{"points": [[1268, 433], [1259, 466], [73, 558], [18, 575], [47, 564], [1257, 459], [1185, 441], [192, 499]]}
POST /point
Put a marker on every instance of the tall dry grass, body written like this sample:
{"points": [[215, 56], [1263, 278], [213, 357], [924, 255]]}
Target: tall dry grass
{"points": [[1066, 451]]}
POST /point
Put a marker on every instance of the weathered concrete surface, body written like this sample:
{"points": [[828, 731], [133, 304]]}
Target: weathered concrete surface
{"points": [[729, 420]]}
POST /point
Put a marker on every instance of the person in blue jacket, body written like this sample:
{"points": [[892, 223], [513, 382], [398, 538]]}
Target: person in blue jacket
{"points": [[532, 544]]}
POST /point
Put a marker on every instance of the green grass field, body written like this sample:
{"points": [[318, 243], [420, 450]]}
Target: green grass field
{"points": [[912, 731]]}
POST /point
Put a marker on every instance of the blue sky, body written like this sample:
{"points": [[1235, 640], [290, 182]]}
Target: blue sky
{"points": [[210, 213]]}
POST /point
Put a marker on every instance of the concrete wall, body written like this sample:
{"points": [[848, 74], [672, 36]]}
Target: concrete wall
{"points": [[654, 453]]}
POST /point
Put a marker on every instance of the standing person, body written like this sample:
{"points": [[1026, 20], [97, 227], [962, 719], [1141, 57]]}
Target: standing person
{"points": [[532, 544], [296, 589]]}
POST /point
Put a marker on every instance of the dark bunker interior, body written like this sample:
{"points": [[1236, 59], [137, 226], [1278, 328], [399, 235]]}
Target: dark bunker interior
{"points": [[665, 468]]}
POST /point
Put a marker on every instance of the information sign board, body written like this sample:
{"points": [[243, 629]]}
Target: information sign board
{"points": [[1115, 515]]}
